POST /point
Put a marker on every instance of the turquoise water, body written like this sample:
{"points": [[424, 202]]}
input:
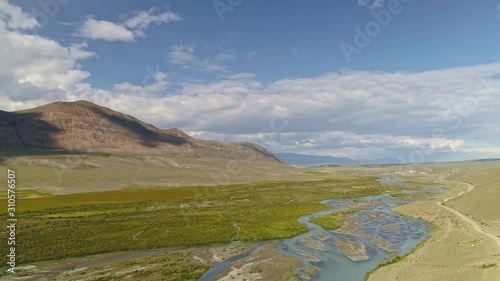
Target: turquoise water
{"points": [[383, 233], [220, 267], [376, 223]]}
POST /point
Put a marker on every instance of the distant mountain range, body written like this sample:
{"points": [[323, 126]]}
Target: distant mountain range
{"points": [[304, 159]]}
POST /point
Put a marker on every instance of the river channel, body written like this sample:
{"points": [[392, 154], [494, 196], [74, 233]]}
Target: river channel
{"points": [[370, 234]]}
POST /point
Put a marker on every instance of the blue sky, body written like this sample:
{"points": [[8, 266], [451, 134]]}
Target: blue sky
{"points": [[272, 72], [296, 37]]}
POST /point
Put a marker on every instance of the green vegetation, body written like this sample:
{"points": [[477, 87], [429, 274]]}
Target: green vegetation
{"points": [[332, 221], [311, 271], [487, 265], [172, 266], [256, 269], [388, 261], [473, 242], [395, 258], [61, 226], [399, 194]]}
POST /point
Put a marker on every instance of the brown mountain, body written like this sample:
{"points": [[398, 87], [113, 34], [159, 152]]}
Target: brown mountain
{"points": [[85, 126]]}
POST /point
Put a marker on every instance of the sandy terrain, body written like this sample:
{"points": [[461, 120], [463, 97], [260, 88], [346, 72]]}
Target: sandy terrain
{"points": [[473, 223], [352, 249], [315, 243], [461, 248], [267, 263]]}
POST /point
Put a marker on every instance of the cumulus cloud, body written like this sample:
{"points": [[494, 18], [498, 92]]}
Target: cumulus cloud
{"points": [[105, 30], [40, 61], [126, 31], [14, 17]]}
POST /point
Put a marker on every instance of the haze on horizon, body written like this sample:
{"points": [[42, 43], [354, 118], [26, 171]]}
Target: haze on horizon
{"points": [[424, 84]]}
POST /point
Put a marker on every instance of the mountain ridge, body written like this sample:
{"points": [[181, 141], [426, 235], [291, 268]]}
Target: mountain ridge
{"points": [[82, 125]]}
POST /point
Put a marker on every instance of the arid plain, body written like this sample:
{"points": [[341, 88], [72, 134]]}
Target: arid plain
{"points": [[465, 244]]}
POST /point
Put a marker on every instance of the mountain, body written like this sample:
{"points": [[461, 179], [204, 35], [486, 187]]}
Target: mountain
{"points": [[304, 159], [85, 126]]}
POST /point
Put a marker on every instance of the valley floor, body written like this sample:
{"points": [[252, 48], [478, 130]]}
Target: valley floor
{"points": [[105, 236], [462, 246]]}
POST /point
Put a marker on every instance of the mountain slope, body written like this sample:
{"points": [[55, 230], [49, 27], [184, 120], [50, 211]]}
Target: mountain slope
{"points": [[86, 126]]}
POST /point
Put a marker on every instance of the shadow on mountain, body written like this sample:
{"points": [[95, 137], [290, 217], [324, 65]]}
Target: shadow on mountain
{"points": [[148, 137], [26, 129], [23, 134]]}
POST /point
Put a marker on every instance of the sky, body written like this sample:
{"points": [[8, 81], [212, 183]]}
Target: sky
{"points": [[415, 80]]}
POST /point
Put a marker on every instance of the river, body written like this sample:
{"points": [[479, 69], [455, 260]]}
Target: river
{"points": [[368, 237]]}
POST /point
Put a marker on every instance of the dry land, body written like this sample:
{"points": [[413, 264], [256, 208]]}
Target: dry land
{"points": [[458, 249]]}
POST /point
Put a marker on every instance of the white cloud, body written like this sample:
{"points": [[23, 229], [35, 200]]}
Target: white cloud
{"points": [[105, 30], [158, 85], [431, 143], [127, 31], [184, 56], [341, 113], [15, 18], [143, 19], [242, 76], [486, 151], [40, 61]]}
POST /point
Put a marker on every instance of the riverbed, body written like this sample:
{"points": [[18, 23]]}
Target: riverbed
{"points": [[366, 238], [372, 235]]}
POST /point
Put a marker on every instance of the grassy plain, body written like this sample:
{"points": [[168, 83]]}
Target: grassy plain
{"points": [[61, 173], [60, 226], [76, 210], [332, 221]]}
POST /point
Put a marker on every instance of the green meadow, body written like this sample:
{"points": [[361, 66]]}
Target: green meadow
{"points": [[332, 221], [61, 226]]}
